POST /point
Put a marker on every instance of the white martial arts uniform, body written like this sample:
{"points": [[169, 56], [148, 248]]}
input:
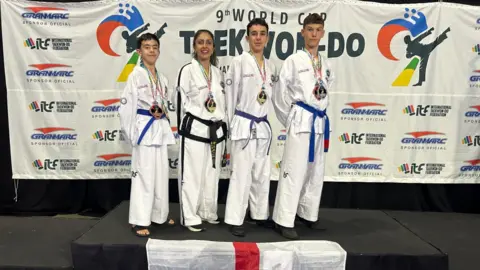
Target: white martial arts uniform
{"points": [[149, 190], [301, 179], [251, 136], [198, 179]]}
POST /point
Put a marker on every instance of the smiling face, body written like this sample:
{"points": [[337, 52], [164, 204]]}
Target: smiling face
{"points": [[203, 46], [149, 51], [257, 37]]}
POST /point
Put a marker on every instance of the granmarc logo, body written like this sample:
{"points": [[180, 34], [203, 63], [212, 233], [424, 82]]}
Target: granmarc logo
{"points": [[46, 134], [43, 13], [360, 163], [49, 70], [474, 165], [358, 108]]}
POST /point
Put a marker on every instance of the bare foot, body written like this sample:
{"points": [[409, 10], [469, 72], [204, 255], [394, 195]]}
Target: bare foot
{"points": [[141, 231]]}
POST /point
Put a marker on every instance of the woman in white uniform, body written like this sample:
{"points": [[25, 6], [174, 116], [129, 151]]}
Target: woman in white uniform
{"points": [[201, 113]]}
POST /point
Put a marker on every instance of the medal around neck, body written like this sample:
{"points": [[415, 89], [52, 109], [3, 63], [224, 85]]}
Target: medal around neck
{"points": [[156, 111], [319, 91], [262, 96], [210, 104]]}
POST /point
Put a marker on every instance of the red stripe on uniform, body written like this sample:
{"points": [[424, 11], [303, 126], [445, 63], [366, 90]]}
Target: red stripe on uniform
{"points": [[326, 144], [247, 256]]}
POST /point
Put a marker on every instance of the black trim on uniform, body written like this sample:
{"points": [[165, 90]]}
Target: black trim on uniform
{"points": [[179, 96], [182, 154], [213, 140]]}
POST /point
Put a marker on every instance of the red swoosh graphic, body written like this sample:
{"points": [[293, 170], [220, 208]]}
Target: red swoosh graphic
{"points": [[52, 129], [46, 66], [40, 9], [473, 162], [357, 105], [113, 156], [108, 102], [359, 159], [476, 107], [419, 134]]}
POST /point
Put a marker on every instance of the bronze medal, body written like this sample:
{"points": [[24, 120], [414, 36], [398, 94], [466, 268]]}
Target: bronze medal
{"points": [[156, 111]]}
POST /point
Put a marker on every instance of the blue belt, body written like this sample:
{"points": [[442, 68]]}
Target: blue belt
{"points": [[150, 122], [326, 137], [253, 119]]}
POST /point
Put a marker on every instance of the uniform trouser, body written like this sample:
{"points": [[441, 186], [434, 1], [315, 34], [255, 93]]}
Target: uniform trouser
{"points": [[149, 190], [250, 181], [198, 181], [300, 182]]}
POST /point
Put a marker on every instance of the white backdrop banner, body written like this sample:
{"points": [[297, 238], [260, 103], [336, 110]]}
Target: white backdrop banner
{"points": [[405, 106]]}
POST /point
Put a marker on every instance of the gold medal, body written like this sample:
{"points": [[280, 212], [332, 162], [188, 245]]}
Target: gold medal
{"points": [[210, 104], [262, 96]]}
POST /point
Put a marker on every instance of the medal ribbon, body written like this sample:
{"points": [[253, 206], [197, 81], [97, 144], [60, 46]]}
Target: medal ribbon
{"points": [[207, 78], [158, 88], [317, 67], [264, 74]]}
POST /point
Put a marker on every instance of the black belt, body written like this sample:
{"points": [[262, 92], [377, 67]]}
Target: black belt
{"points": [[213, 140]]}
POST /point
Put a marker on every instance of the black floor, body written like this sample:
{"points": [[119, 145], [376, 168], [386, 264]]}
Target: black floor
{"points": [[456, 234], [372, 239], [39, 242]]}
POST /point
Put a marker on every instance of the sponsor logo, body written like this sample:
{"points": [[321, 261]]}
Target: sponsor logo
{"points": [[360, 166], [51, 16], [424, 140], [59, 136], [475, 79], [107, 108], [472, 115], [471, 140], [50, 73], [362, 138], [364, 111], [108, 135], [56, 164], [427, 110], [421, 168], [56, 44], [52, 106], [113, 163], [470, 169]]}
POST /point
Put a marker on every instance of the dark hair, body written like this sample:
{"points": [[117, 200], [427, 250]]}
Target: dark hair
{"points": [[313, 18], [256, 21], [213, 57], [145, 37]]}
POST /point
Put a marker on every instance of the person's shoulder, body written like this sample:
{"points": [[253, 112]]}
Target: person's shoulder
{"points": [[137, 72], [163, 77], [185, 67], [239, 58], [217, 70]]}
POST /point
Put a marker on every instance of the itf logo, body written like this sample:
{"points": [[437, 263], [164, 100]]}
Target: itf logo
{"points": [[416, 25], [471, 140], [411, 169], [130, 18], [476, 49]]}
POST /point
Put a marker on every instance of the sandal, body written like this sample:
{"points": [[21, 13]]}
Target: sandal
{"points": [[136, 229], [169, 223]]}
